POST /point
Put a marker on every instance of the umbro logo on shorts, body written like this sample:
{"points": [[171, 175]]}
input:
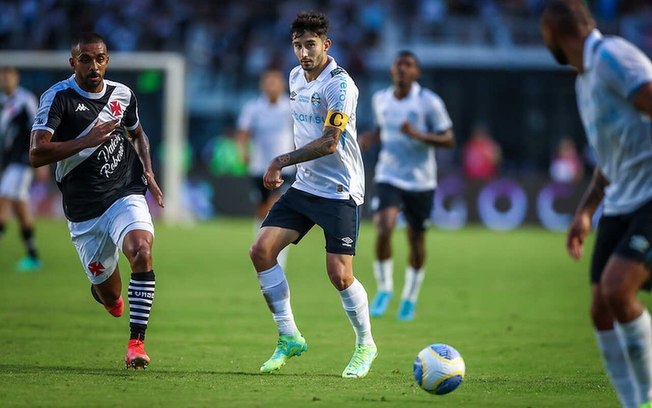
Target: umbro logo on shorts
{"points": [[81, 108], [347, 241], [639, 243]]}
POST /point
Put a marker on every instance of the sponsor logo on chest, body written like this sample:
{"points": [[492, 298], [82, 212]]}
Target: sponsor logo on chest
{"points": [[110, 155]]}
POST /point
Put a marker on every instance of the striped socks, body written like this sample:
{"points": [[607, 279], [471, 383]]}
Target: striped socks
{"points": [[141, 296]]}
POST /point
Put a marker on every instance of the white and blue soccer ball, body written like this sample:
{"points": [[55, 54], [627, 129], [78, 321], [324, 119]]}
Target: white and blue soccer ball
{"points": [[439, 369]]}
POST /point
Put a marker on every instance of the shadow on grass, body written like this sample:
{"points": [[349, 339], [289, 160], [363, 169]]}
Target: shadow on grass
{"points": [[13, 369]]}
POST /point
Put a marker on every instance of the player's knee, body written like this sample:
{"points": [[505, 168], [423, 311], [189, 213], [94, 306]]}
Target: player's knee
{"points": [[341, 282], [615, 295], [140, 255], [259, 253]]}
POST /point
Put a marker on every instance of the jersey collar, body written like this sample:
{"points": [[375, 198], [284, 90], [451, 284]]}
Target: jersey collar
{"points": [[590, 44], [85, 94]]}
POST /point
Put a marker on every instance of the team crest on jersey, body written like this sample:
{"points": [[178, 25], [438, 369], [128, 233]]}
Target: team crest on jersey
{"points": [[315, 99], [293, 96], [116, 108]]}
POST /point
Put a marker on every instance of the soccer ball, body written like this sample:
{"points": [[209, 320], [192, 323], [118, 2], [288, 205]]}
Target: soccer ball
{"points": [[439, 369]]}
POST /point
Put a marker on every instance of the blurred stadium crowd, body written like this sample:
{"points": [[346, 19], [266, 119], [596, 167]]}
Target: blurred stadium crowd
{"points": [[229, 35]]}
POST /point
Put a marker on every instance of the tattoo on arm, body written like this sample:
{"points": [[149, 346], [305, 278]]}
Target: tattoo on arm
{"points": [[323, 146]]}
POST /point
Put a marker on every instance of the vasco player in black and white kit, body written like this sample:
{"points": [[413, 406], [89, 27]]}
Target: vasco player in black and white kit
{"points": [[17, 110], [89, 126]]}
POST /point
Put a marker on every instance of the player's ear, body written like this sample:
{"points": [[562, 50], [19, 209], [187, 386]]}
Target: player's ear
{"points": [[71, 61], [327, 44]]}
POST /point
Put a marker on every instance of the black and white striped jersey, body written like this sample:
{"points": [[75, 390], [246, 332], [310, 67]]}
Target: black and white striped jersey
{"points": [[94, 178], [16, 117]]}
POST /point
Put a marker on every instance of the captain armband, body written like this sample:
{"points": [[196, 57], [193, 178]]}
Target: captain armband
{"points": [[337, 120]]}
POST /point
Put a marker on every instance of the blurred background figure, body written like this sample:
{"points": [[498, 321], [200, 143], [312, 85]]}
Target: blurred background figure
{"points": [[411, 122], [481, 155], [264, 132], [566, 165], [17, 110]]}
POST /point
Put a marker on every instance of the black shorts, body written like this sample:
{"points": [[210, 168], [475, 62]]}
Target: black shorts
{"points": [[259, 194], [299, 211], [629, 236], [416, 206]]}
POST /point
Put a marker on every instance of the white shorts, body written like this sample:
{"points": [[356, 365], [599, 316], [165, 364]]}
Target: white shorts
{"points": [[98, 241], [15, 182]]}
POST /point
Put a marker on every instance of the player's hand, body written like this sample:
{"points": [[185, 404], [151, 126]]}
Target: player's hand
{"points": [[272, 178], [577, 232], [101, 132], [154, 189], [410, 130]]}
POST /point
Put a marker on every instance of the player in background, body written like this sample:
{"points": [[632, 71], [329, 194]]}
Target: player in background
{"points": [[614, 97], [328, 191], [17, 109], [264, 132], [410, 122], [89, 127]]}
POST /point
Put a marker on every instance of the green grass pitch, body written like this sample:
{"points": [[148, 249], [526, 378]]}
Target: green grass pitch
{"points": [[512, 303]]}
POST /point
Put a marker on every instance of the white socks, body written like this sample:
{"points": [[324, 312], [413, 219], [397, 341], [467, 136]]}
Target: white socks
{"points": [[617, 366], [356, 306], [384, 273], [277, 294], [637, 338], [412, 285]]}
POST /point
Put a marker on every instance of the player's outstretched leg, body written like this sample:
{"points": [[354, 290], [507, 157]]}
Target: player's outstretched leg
{"points": [[141, 297], [276, 290], [356, 306], [286, 347]]}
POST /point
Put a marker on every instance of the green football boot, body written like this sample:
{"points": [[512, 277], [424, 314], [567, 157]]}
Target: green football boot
{"points": [[360, 363], [286, 347]]}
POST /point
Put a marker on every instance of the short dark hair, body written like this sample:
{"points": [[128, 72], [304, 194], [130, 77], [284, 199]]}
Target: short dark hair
{"points": [[568, 17], [408, 54], [309, 21], [87, 38]]}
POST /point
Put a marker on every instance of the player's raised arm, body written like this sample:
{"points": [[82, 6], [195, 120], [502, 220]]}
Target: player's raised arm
{"points": [[44, 151], [141, 144]]}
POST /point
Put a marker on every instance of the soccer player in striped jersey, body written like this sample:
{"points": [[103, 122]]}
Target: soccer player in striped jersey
{"points": [[89, 127], [17, 110], [328, 191], [614, 97], [411, 121]]}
